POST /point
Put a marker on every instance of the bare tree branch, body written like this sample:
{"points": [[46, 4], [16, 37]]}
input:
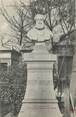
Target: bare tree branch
{"points": [[18, 23]]}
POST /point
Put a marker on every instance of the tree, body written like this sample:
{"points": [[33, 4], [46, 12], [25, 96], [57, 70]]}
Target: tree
{"points": [[19, 23], [60, 12]]}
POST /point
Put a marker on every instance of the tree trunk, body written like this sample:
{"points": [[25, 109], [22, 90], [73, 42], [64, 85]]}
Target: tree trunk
{"points": [[66, 103]]}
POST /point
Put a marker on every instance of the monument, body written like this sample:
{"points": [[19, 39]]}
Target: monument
{"points": [[40, 99]]}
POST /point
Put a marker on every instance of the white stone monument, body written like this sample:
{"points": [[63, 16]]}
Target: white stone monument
{"points": [[40, 99]]}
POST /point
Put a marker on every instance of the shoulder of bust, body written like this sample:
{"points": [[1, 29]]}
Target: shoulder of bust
{"points": [[31, 31], [49, 32]]}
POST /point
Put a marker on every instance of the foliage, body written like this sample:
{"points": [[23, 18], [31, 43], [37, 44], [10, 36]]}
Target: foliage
{"points": [[13, 85]]}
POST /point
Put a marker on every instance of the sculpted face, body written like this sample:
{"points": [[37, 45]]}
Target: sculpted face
{"points": [[39, 21]]}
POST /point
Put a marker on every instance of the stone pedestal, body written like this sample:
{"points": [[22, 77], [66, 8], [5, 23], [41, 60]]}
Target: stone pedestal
{"points": [[39, 99]]}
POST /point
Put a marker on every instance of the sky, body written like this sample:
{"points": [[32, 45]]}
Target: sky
{"points": [[4, 27], [7, 4]]}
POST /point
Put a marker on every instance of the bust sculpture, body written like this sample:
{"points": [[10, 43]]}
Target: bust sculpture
{"points": [[40, 32]]}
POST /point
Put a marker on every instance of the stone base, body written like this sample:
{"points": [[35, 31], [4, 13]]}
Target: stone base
{"points": [[40, 110]]}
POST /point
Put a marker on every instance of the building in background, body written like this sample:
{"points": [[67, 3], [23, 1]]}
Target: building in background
{"points": [[8, 57]]}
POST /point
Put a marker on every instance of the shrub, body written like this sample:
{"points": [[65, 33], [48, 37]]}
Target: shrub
{"points": [[13, 85]]}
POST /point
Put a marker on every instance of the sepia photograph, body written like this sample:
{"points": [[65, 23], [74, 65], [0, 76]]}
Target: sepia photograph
{"points": [[37, 58]]}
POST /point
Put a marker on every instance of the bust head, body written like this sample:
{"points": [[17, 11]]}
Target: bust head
{"points": [[39, 19]]}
